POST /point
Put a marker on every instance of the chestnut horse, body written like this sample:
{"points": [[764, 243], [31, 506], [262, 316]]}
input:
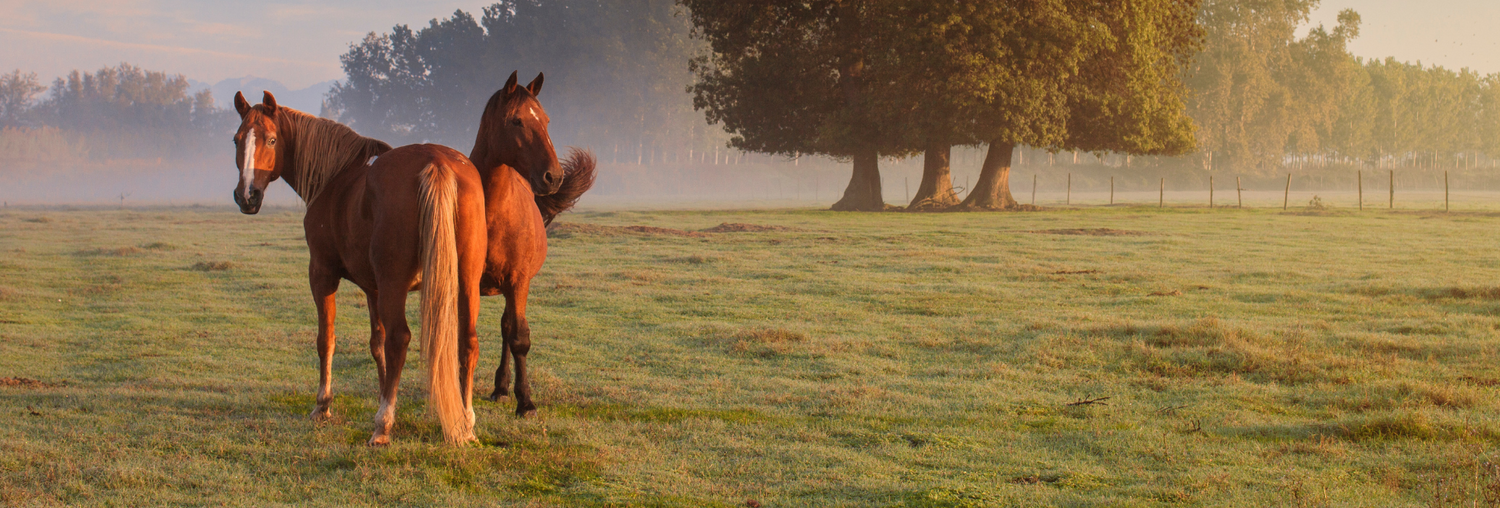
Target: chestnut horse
{"points": [[391, 221], [525, 187]]}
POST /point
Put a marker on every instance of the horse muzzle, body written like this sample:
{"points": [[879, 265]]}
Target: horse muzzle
{"points": [[251, 205], [551, 182]]}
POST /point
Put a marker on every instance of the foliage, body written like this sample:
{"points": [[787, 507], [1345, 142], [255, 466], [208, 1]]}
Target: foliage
{"points": [[1264, 98], [115, 112], [17, 92], [615, 72]]}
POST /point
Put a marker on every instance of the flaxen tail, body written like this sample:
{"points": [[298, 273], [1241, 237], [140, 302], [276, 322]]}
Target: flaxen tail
{"points": [[578, 177], [438, 197]]}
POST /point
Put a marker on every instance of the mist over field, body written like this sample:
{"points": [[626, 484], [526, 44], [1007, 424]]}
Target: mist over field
{"points": [[616, 76]]}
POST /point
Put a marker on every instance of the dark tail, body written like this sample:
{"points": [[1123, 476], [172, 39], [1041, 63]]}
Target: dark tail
{"points": [[578, 178]]}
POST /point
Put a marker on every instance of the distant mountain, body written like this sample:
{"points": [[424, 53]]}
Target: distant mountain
{"points": [[308, 100]]}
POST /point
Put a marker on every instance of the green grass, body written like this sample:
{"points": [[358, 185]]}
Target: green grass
{"points": [[1235, 358]]}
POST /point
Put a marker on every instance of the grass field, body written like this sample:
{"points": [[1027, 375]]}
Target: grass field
{"points": [[1161, 357]]}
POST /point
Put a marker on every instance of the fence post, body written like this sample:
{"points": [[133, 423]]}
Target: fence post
{"points": [[1287, 196], [1068, 200], [1445, 191], [1359, 180], [1393, 189], [1033, 189], [1161, 199], [1210, 192], [908, 188], [1111, 190], [1239, 193]]}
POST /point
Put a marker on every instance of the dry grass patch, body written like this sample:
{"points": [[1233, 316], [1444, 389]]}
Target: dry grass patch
{"points": [[1209, 347], [1092, 232], [766, 342]]}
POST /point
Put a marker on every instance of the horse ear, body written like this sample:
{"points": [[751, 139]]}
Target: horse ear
{"points": [[241, 105], [510, 84], [536, 85], [270, 102]]}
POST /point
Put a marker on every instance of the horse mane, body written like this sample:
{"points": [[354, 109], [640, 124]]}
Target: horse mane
{"points": [[321, 148]]}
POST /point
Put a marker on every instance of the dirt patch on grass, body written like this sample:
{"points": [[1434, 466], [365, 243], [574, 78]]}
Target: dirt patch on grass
{"points": [[566, 230], [739, 227], [26, 383], [1074, 272], [1093, 232], [213, 266], [1458, 293], [115, 252]]}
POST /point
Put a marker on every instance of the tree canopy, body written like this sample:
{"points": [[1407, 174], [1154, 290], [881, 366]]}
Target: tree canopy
{"points": [[615, 74], [863, 78]]}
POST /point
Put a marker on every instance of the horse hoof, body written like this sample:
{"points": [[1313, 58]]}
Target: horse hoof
{"points": [[525, 412], [495, 397], [378, 441], [320, 415]]}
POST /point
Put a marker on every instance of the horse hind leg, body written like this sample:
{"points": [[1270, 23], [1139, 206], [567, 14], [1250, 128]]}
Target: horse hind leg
{"points": [[397, 337], [324, 289]]}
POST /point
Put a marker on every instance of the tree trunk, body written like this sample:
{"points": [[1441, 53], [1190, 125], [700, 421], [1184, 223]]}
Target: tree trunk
{"points": [[863, 193], [992, 191], [936, 189]]}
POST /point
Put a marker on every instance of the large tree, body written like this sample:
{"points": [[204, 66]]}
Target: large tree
{"points": [[804, 77]]}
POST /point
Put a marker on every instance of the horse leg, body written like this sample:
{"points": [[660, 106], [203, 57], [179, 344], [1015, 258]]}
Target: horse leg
{"points": [[518, 341], [502, 373], [377, 335], [468, 342], [397, 336], [323, 289]]}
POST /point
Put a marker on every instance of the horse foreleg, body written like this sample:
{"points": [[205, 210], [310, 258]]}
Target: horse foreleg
{"points": [[502, 373], [518, 341], [323, 290], [397, 336]]}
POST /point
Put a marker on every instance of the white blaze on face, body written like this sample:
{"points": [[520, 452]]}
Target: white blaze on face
{"points": [[533, 114], [247, 168]]}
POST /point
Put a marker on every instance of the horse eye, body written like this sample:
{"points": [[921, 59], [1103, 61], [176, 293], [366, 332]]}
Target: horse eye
{"points": [[271, 142], [516, 122]]}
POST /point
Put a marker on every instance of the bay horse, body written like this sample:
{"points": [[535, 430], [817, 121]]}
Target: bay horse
{"points": [[391, 221], [525, 187]]}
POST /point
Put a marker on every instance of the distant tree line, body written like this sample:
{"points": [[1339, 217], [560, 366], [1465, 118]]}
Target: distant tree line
{"points": [[1265, 100], [115, 112]]}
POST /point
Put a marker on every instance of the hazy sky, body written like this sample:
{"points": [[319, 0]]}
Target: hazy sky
{"points": [[298, 43], [294, 42]]}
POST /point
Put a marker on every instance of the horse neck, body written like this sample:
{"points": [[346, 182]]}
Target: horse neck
{"points": [[314, 158]]}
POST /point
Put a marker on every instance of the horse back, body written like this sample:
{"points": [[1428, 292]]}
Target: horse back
{"points": [[377, 206]]}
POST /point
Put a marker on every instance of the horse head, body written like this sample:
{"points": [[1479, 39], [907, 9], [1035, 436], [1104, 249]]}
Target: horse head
{"points": [[513, 132], [256, 153]]}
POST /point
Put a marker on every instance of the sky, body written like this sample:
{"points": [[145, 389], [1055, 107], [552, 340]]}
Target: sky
{"points": [[1449, 33], [295, 42], [298, 42]]}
